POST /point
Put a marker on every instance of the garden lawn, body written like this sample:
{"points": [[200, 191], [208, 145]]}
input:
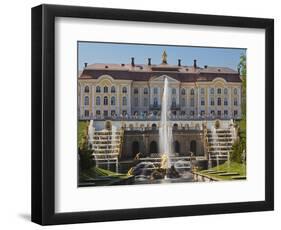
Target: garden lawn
{"points": [[231, 167], [82, 133]]}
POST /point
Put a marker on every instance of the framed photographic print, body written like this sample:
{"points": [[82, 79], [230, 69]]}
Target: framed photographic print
{"points": [[143, 114]]}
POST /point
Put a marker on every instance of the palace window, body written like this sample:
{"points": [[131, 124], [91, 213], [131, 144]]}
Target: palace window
{"points": [[183, 92], [202, 90], [86, 113], [212, 112], [86, 100], [192, 92], [98, 89], [112, 112], [219, 113], [202, 113], [145, 91], [105, 89], [124, 112], [155, 101], [155, 90], [212, 90], [225, 91], [124, 90], [202, 101], [145, 101], [97, 100], [235, 113], [174, 91], [136, 91], [235, 101], [191, 113], [192, 102], [124, 101], [136, 101], [225, 112], [219, 101], [98, 112], [174, 102], [105, 100], [212, 101], [225, 102], [105, 113], [86, 90], [113, 89], [219, 91], [112, 101], [235, 91], [183, 101]]}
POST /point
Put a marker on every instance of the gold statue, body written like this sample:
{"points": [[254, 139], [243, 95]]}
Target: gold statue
{"points": [[164, 57]]}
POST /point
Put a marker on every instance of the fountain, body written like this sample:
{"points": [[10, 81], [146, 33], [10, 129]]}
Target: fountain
{"points": [[165, 131], [91, 131]]}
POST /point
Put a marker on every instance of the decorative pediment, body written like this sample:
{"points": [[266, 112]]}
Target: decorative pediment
{"points": [[161, 78]]}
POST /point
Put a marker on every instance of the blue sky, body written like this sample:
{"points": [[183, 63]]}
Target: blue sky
{"points": [[93, 52]]}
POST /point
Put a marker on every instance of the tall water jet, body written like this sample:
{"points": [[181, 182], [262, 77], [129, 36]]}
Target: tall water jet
{"points": [[165, 131], [91, 132]]}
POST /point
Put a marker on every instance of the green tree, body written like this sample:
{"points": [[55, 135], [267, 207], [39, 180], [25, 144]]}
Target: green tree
{"points": [[239, 146]]}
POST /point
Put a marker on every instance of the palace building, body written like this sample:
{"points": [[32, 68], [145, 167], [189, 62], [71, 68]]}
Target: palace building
{"points": [[129, 96]]}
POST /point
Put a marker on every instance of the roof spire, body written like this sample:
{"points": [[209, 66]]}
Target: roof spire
{"points": [[164, 57]]}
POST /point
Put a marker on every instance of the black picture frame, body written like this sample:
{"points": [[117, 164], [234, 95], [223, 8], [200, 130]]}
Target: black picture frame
{"points": [[43, 114]]}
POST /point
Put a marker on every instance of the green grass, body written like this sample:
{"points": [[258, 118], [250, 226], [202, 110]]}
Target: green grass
{"points": [[228, 167], [82, 133]]}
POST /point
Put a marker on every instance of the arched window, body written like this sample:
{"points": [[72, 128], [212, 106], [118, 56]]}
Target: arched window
{"points": [[175, 126], [145, 91], [174, 91], [136, 91], [98, 100], [87, 89], [235, 91], [202, 91], [225, 91], [155, 101], [192, 92], [183, 92], [113, 89], [112, 101], [153, 148], [225, 102], [86, 100], [212, 90], [219, 91], [177, 147], [193, 147], [135, 148], [124, 101], [105, 100], [105, 89], [124, 90], [219, 101], [154, 126], [235, 101], [98, 89]]}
